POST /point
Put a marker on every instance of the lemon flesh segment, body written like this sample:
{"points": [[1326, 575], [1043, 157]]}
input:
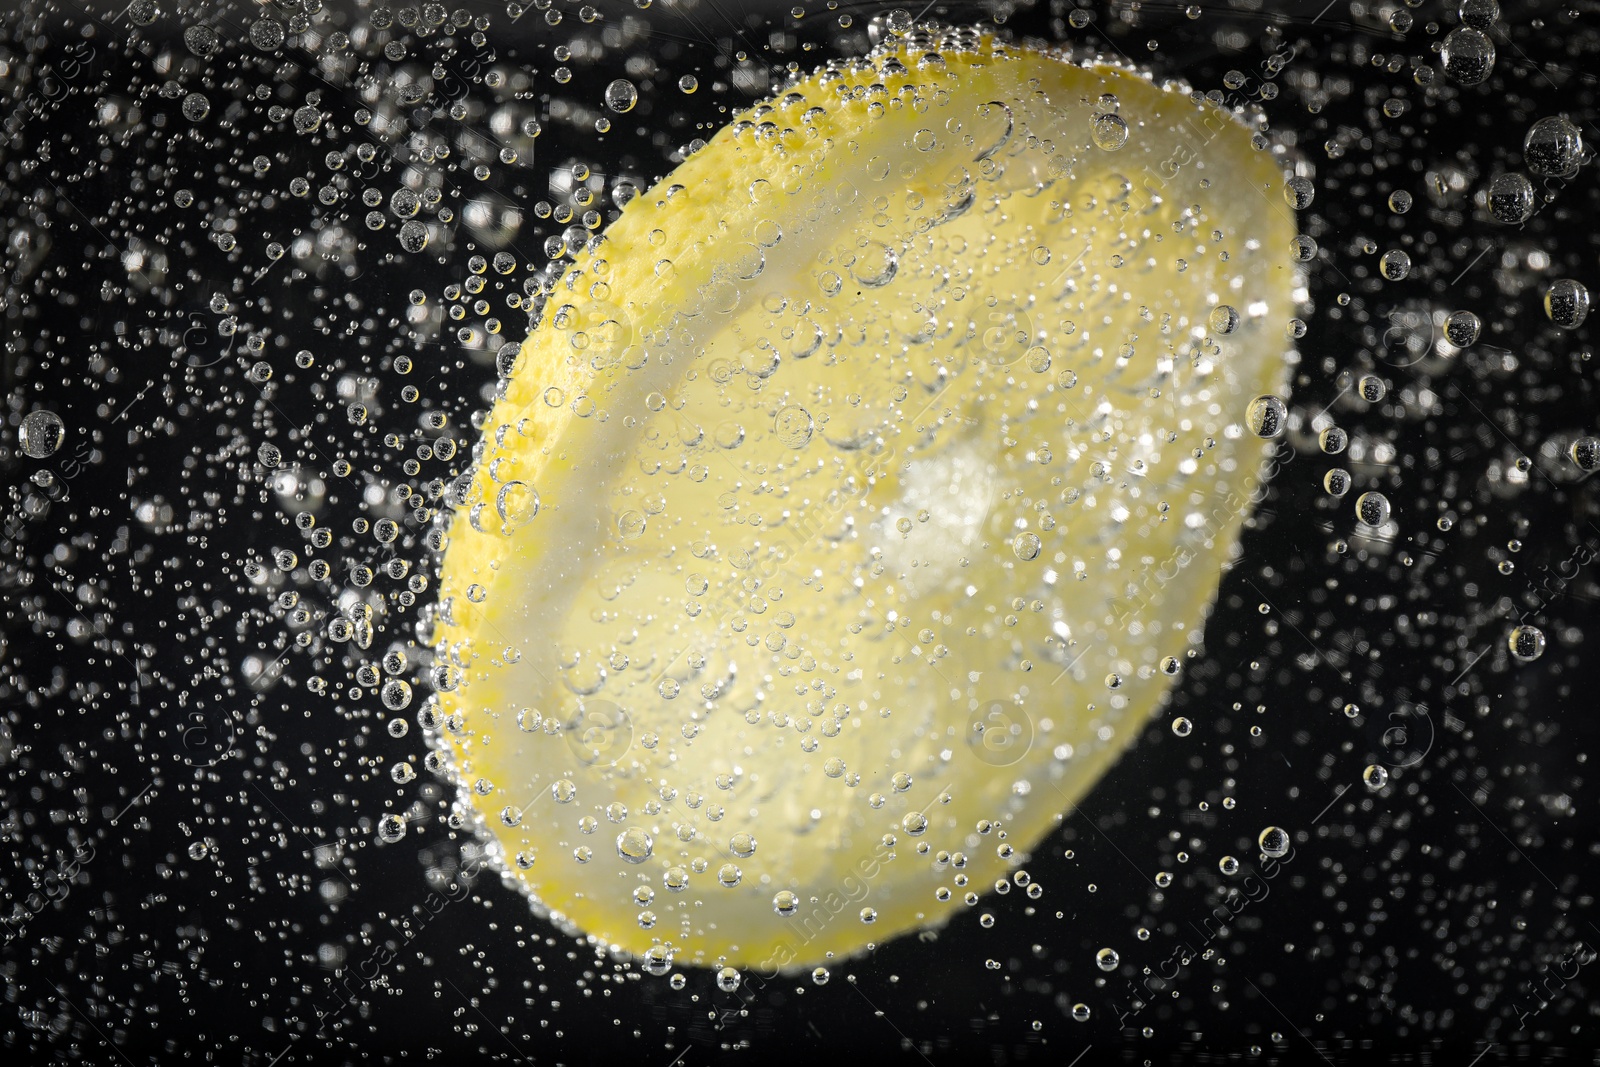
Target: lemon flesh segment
{"points": [[864, 484]]}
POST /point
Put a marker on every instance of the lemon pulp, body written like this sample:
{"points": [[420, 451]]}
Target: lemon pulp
{"points": [[855, 498]]}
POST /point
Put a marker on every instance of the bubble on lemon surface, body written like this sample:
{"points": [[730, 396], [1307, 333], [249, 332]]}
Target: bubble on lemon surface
{"points": [[793, 426], [1110, 132]]}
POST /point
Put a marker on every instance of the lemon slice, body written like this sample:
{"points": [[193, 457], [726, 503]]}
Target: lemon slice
{"points": [[857, 495]]}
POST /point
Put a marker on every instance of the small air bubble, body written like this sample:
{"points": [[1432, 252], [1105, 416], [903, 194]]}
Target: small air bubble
{"points": [[1566, 303], [1266, 415], [41, 434], [1299, 192], [1109, 132], [621, 96], [1274, 842], [1526, 643], [1372, 509]]}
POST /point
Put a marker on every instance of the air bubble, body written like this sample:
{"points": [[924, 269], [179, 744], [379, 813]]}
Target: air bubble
{"points": [[1510, 198], [1468, 55], [203, 41], [1479, 14], [1372, 509], [1395, 264], [1274, 842], [1566, 303], [266, 34], [1266, 415], [635, 845], [517, 503], [1526, 643], [1585, 452], [793, 427], [1109, 132], [413, 236], [41, 434], [1299, 192], [621, 96], [1461, 328], [1553, 147], [396, 694], [1224, 319]]}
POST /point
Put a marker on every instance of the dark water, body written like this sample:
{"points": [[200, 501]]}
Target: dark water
{"points": [[191, 860]]}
